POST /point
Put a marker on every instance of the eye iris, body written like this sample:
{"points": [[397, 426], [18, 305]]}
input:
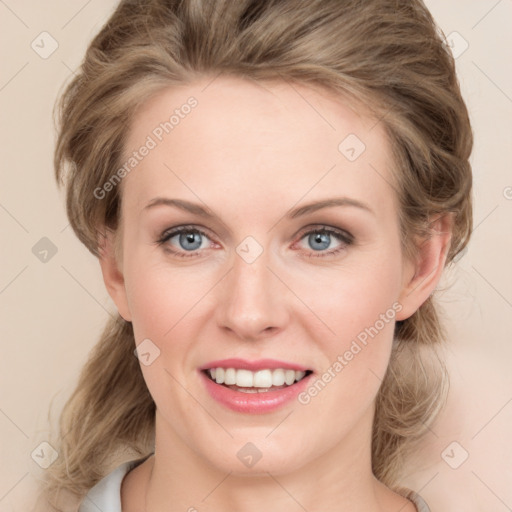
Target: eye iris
{"points": [[186, 238], [321, 238]]}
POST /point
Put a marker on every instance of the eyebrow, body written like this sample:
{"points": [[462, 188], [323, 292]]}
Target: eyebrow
{"points": [[197, 209]]}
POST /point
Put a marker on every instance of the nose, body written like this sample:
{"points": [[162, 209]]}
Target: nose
{"points": [[253, 301]]}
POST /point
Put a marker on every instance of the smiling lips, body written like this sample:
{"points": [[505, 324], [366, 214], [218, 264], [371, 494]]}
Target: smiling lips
{"points": [[253, 386], [264, 373]]}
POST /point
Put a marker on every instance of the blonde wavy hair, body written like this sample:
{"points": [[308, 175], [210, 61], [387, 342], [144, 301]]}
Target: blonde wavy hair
{"points": [[387, 54]]}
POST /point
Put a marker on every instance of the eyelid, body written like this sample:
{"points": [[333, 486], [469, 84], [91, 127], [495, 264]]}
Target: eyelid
{"points": [[326, 228], [176, 230]]}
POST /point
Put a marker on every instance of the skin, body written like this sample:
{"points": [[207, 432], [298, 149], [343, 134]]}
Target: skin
{"points": [[250, 152]]}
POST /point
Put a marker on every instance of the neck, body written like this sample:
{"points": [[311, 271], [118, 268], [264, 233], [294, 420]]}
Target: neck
{"points": [[341, 479]]}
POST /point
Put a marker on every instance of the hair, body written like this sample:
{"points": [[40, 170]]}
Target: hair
{"points": [[386, 54]]}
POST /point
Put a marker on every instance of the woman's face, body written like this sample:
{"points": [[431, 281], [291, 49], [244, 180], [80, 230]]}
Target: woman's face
{"points": [[256, 276]]}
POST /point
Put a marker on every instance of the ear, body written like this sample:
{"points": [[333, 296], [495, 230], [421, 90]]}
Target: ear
{"points": [[112, 272], [422, 275]]}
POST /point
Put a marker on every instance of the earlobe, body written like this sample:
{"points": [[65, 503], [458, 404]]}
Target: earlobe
{"points": [[422, 276], [112, 273]]}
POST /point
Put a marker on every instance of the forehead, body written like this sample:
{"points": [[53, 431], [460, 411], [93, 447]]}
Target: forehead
{"points": [[233, 138]]}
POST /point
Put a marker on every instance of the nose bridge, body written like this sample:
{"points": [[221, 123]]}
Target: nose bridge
{"points": [[251, 302]]}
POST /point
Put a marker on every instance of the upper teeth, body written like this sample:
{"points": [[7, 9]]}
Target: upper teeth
{"points": [[259, 379]]}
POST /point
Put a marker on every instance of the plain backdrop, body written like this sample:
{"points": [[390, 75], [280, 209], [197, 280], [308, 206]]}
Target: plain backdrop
{"points": [[53, 304]]}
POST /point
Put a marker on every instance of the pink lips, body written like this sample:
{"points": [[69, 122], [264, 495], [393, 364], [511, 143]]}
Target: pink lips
{"points": [[260, 364], [253, 403]]}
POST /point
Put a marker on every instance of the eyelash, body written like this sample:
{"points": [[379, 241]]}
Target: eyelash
{"points": [[343, 236]]}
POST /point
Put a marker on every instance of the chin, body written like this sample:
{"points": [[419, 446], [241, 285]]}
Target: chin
{"points": [[256, 456]]}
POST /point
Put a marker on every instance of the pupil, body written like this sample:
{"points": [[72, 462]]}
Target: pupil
{"points": [[320, 238], [190, 238]]}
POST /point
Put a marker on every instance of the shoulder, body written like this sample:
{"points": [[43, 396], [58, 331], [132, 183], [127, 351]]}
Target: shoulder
{"points": [[419, 502], [106, 494]]}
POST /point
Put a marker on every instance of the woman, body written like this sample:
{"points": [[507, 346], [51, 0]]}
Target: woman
{"points": [[273, 189]]}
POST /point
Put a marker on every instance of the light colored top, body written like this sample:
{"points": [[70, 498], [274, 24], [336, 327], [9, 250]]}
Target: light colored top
{"points": [[106, 494]]}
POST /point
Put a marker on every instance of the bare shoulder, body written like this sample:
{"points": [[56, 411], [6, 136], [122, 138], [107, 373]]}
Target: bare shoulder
{"points": [[133, 487], [391, 501], [402, 504]]}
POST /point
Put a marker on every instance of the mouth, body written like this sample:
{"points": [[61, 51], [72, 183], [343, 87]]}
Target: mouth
{"points": [[254, 387], [266, 380]]}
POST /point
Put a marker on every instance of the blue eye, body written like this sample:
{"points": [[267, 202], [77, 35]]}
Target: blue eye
{"points": [[189, 241], [320, 239]]}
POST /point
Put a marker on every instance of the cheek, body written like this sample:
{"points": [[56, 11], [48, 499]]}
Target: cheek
{"points": [[159, 296], [353, 298], [347, 386], [360, 309]]}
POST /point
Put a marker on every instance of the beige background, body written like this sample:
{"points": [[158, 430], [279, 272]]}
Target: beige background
{"points": [[52, 312]]}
